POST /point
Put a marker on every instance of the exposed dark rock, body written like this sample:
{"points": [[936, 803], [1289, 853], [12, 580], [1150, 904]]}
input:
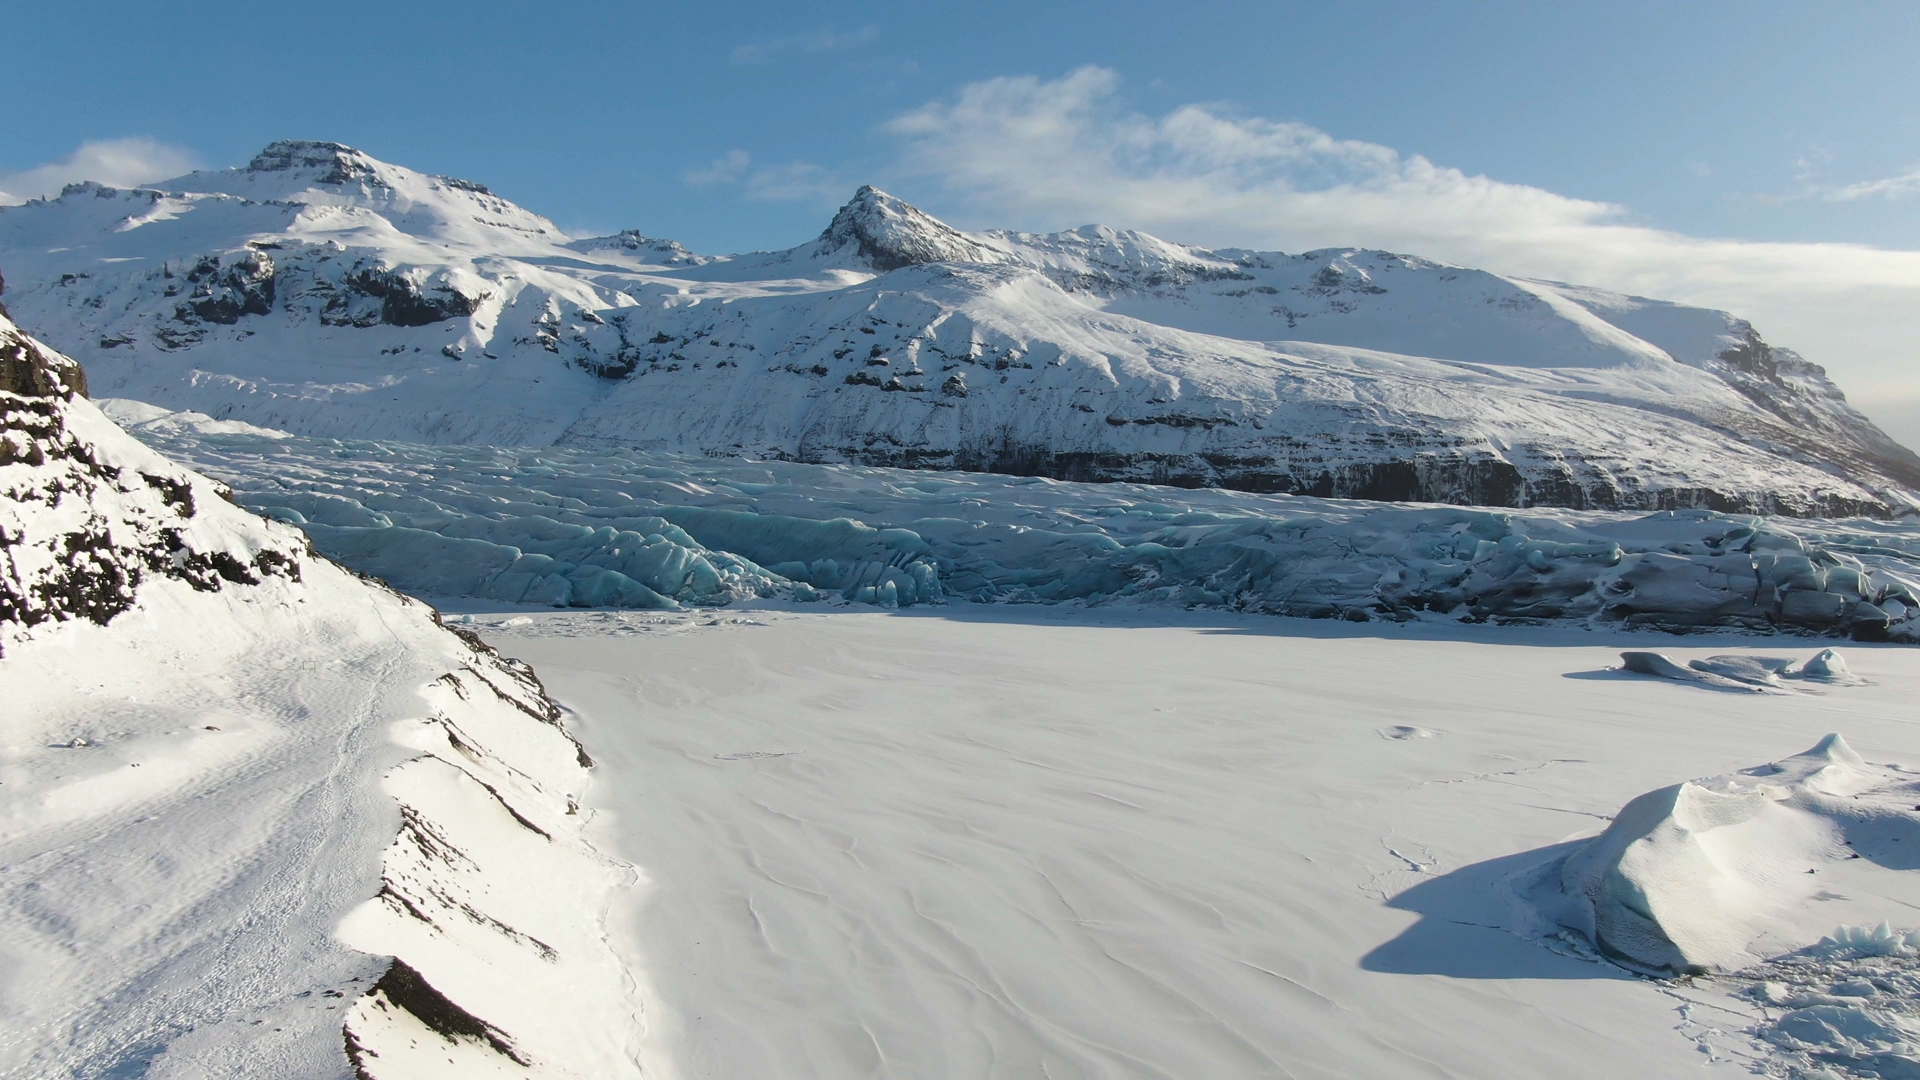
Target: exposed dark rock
{"points": [[245, 286], [1462, 478], [338, 164], [404, 989], [1816, 420], [405, 303], [30, 369], [122, 536]]}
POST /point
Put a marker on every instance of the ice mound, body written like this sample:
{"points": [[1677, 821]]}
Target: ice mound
{"points": [[1719, 874], [1827, 665]]}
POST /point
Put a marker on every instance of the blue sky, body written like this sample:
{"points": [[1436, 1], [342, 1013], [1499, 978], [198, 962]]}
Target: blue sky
{"points": [[1712, 152]]}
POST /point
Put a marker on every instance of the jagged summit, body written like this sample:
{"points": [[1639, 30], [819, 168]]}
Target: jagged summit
{"points": [[889, 233], [340, 164]]}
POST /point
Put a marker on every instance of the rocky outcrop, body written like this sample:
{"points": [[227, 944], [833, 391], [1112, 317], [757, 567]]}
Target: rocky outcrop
{"points": [[404, 302], [335, 163], [1818, 422], [81, 530], [222, 294], [29, 369]]}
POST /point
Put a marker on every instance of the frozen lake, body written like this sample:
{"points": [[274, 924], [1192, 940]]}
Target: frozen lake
{"points": [[1011, 841]]}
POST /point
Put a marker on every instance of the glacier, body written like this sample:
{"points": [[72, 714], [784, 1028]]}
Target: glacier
{"points": [[321, 291], [573, 527]]}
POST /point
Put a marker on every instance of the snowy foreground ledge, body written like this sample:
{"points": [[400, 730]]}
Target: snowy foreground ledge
{"points": [[262, 817], [581, 528]]}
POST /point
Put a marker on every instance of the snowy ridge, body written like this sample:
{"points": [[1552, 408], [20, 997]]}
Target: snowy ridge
{"points": [[595, 528], [200, 715], [323, 292]]}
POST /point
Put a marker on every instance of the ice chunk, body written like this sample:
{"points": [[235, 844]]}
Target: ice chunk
{"points": [[1758, 670], [1878, 940], [1826, 664], [1849, 1031], [1653, 663]]}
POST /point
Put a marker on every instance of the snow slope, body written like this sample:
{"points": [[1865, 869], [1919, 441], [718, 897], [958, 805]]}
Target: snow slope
{"points": [[263, 817], [323, 292], [571, 527]]}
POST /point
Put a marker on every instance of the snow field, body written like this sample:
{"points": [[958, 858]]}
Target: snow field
{"points": [[1018, 841]]}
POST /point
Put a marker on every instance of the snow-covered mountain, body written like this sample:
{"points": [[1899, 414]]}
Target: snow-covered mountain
{"points": [[323, 292], [263, 817]]}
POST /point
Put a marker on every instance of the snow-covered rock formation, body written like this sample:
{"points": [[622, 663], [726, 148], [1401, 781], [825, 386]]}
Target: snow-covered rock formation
{"points": [[323, 292], [263, 817]]}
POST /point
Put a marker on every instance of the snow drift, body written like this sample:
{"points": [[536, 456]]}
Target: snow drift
{"points": [[264, 817], [323, 292], [572, 527], [1723, 873]]}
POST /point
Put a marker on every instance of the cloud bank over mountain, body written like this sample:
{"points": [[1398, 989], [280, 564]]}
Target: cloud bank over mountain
{"points": [[1054, 152], [115, 162]]}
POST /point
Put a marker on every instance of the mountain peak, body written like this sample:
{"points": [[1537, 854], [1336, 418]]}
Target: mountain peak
{"points": [[337, 162], [890, 233]]}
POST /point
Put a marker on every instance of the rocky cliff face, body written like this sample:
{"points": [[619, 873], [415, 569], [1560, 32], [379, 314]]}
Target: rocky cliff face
{"points": [[81, 527], [321, 291]]}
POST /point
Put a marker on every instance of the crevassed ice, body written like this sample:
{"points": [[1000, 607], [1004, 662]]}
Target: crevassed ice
{"points": [[573, 527]]}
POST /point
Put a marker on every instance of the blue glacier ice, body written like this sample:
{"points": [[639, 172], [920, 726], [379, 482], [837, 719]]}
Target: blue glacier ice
{"points": [[619, 528]]}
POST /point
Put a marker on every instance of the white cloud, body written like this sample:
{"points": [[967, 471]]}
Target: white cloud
{"points": [[114, 162], [1892, 187], [726, 169], [794, 181], [1056, 153], [798, 181], [761, 52]]}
